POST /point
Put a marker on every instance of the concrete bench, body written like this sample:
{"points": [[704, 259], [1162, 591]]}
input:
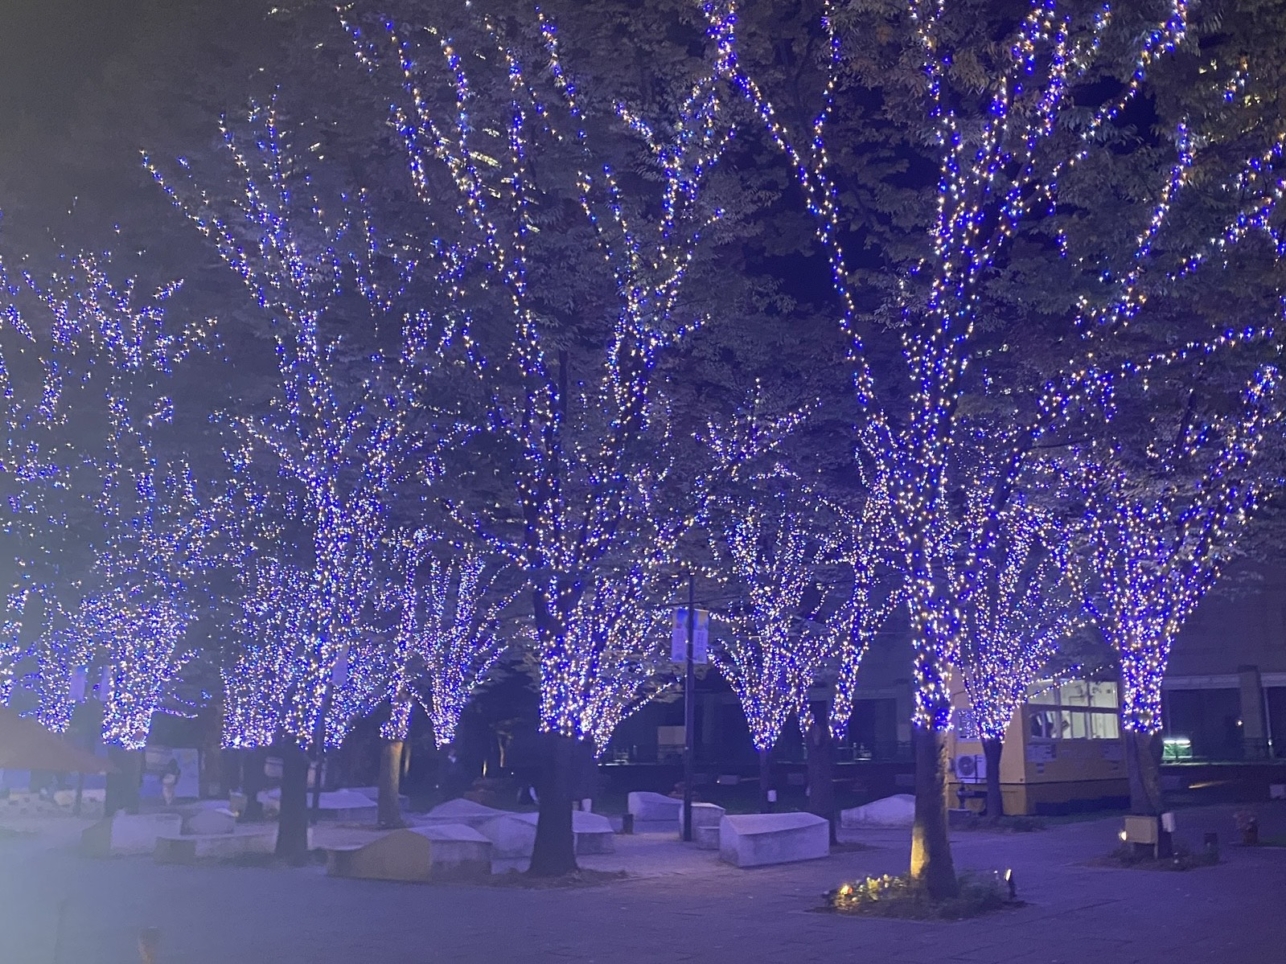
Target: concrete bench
{"points": [[210, 821], [654, 812], [706, 838], [343, 806], [513, 835], [890, 812], [373, 794], [189, 848], [756, 839], [128, 833], [416, 854], [593, 833], [460, 811], [703, 815]]}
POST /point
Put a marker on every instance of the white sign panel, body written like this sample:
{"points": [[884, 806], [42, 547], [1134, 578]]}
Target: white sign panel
{"points": [[700, 637]]}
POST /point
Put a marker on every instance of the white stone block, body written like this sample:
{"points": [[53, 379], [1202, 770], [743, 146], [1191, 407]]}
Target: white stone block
{"points": [[373, 794], [703, 815], [345, 806], [592, 833], [512, 835], [218, 821], [462, 811], [706, 838], [654, 812], [895, 811], [428, 852], [756, 839], [129, 833], [217, 846]]}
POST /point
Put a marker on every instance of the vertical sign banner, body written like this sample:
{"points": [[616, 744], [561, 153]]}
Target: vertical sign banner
{"points": [[79, 683], [339, 672], [700, 637]]}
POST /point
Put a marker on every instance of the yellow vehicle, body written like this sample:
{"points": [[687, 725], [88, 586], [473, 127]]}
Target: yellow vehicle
{"points": [[1062, 751]]}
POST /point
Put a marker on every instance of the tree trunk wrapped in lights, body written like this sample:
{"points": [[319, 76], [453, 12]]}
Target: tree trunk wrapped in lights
{"points": [[860, 543]]}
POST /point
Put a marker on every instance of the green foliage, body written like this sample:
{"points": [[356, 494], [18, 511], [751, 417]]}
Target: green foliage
{"points": [[890, 896]]}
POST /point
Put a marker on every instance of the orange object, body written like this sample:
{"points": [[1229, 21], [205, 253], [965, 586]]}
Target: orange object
{"points": [[26, 745]]}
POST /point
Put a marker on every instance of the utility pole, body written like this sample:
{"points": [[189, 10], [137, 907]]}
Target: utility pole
{"points": [[689, 713]]}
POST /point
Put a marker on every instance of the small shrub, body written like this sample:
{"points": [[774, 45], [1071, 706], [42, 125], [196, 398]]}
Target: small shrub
{"points": [[890, 896]]}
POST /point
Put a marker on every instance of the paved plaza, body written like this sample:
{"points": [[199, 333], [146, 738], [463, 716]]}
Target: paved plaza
{"points": [[680, 904]]}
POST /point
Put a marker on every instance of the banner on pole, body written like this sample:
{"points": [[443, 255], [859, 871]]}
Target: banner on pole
{"points": [[700, 637]]}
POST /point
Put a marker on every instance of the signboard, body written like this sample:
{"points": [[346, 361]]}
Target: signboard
{"points": [[79, 682], [700, 637], [339, 672]]}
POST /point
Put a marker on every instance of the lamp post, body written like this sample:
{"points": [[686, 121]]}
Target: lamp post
{"points": [[689, 713]]}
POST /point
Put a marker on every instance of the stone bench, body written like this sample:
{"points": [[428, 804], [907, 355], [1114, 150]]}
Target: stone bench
{"points": [[706, 838], [513, 835], [459, 811], [593, 833], [342, 806], [189, 848], [756, 839], [896, 811], [218, 820], [438, 851], [373, 794], [703, 815], [128, 833], [654, 812]]}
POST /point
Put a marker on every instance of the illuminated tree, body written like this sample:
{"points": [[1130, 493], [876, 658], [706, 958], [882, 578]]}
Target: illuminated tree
{"points": [[565, 284], [1010, 583], [620, 641], [860, 544], [446, 640], [315, 467], [1161, 524], [770, 544], [83, 364], [1026, 244], [271, 629]]}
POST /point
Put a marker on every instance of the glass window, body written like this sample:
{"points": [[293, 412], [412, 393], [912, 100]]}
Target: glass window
{"points": [[1104, 726], [1075, 693], [1042, 694], [1044, 724], [1104, 695], [1077, 725]]}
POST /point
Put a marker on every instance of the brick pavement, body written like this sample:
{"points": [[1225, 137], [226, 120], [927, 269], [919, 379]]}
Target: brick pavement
{"points": [[692, 909]]}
